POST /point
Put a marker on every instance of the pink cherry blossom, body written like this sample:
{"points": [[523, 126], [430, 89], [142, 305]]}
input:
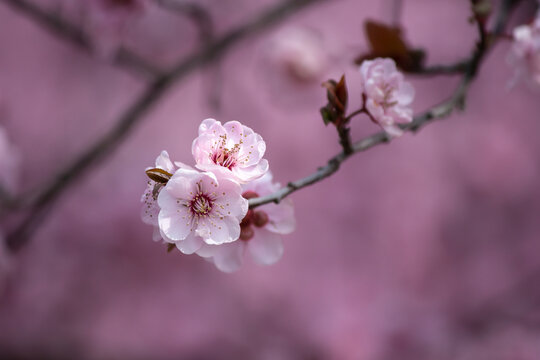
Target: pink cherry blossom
{"points": [[200, 207], [300, 52], [260, 231], [388, 96], [231, 147], [150, 210], [525, 53]]}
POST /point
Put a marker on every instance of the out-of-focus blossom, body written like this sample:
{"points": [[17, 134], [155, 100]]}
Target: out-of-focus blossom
{"points": [[525, 53], [261, 231], [388, 95], [8, 162], [231, 147], [300, 52], [200, 207]]}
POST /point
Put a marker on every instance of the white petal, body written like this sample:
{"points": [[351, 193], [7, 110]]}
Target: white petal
{"points": [[281, 217], [190, 245], [229, 200], [206, 125], [156, 234], [405, 93], [181, 165], [392, 130], [150, 209], [229, 257], [164, 162], [173, 219], [265, 247], [207, 251], [218, 232]]}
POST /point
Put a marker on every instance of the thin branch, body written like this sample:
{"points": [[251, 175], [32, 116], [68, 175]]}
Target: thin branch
{"points": [[456, 101], [135, 113], [73, 34]]}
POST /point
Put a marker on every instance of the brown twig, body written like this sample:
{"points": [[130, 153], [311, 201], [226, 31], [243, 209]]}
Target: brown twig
{"points": [[456, 101], [105, 146], [73, 34]]}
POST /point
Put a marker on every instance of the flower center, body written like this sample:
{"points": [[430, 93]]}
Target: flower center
{"points": [[201, 205], [224, 156]]}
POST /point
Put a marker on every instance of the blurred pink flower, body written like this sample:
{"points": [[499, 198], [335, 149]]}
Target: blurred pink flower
{"points": [[300, 52], [261, 229], [200, 207], [388, 96], [231, 147], [525, 53], [150, 209]]}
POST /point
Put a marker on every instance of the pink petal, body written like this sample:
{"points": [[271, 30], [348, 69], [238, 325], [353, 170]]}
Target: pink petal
{"points": [[229, 257], [229, 201], [164, 162], [266, 248], [281, 216], [235, 132], [206, 125], [173, 219], [393, 130], [150, 209], [405, 93], [218, 232], [156, 234], [190, 244]]}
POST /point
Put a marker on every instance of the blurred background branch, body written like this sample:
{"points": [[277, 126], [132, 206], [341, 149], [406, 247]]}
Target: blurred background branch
{"points": [[67, 31]]}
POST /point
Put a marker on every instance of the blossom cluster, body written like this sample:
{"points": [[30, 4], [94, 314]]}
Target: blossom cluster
{"points": [[387, 95], [204, 210]]}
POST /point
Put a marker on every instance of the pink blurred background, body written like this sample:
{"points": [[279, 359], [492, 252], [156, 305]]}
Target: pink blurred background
{"points": [[427, 248]]}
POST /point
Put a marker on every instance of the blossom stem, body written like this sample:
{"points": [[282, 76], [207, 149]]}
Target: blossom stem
{"points": [[353, 114]]}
